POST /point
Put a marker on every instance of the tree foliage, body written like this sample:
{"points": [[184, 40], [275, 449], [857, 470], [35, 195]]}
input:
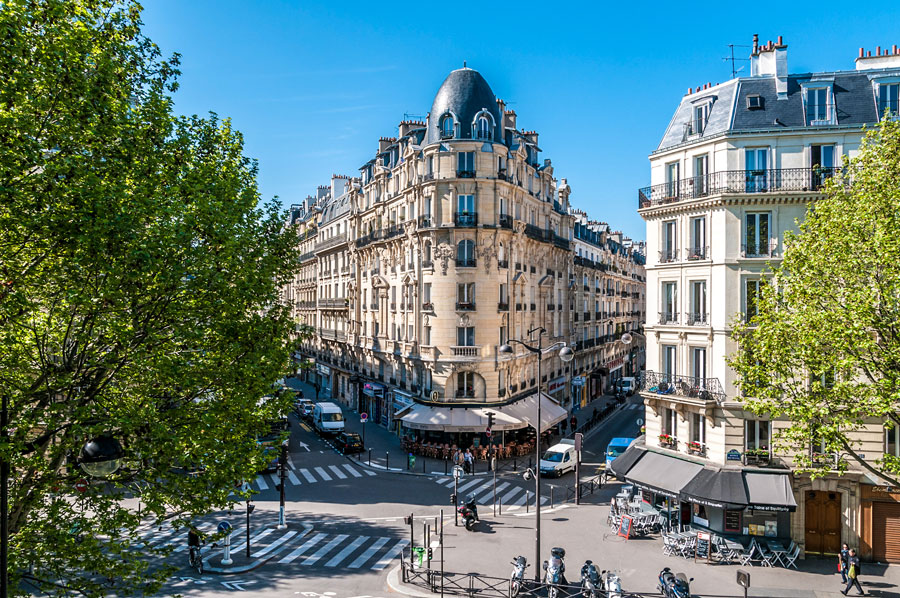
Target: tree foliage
{"points": [[824, 350], [139, 278]]}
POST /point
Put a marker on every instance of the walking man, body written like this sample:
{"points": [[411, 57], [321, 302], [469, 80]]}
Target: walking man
{"points": [[843, 558], [853, 574]]}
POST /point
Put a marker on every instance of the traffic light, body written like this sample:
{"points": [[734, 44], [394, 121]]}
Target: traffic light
{"points": [[430, 553], [490, 420], [408, 519], [452, 499]]}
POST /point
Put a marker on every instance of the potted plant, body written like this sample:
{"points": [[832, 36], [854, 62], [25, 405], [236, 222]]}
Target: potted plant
{"points": [[695, 447], [666, 440], [758, 456]]}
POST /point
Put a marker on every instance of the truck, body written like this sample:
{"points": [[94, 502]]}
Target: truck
{"points": [[328, 418], [559, 458]]}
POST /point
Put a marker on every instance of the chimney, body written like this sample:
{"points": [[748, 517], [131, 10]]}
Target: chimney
{"points": [[771, 61], [509, 120], [881, 60]]}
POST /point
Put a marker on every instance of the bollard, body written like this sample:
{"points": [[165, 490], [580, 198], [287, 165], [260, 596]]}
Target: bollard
{"points": [[516, 464], [387, 460], [408, 461], [551, 496], [446, 465], [227, 560], [526, 500], [370, 457]]}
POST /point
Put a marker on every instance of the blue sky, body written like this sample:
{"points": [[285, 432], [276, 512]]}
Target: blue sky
{"points": [[313, 85]]}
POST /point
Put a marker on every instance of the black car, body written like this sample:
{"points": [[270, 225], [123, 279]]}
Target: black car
{"points": [[348, 442]]}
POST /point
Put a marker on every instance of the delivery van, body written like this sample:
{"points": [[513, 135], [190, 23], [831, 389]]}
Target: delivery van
{"points": [[559, 459], [328, 418], [626, 385]]}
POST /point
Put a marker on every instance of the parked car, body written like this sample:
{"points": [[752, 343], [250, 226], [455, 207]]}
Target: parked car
{"points": [[558, 459], [304, 408], [348, 442]]}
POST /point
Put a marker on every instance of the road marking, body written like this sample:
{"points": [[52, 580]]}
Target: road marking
{"points": [[483, 487], [446, 481], [305, 427], [275, 544], [323, 474], [309, 477], [352, 471], [390, 555], [469, 485], [260, 536], [370, 472], [261, 483], [489, 497], [334, 562], [292, 477], [506, 497], [324, 550], [275, 480], [337, 472], [303, 548], [369, 553]]}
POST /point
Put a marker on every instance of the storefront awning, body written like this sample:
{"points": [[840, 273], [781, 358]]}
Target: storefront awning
{"points": [[526, 410], [662, 474], [769, 492], [717, 488], [458, 419], [622, 464]]}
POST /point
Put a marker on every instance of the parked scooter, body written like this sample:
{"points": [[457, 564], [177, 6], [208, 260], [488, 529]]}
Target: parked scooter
{"points": [[469, 512], [517, 577], [674, 585], [555, 572], [612, 585], [590, 580]]}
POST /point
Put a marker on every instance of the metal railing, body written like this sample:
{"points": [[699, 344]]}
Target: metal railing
{"points": [[703, 389], [761, 249], [426, 222], [735, 181], [465, 174], [695, 319], [696, 253], [328, 243], [465, 219], [668, 317], [465, 306], [467, 263], [668, 255], [505, 221]]}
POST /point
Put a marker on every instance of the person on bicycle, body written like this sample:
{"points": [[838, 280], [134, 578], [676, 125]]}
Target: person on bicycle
{"points": [[194, 542]]}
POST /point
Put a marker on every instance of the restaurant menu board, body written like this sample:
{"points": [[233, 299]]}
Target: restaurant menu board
{"points": [[732, 521], [625, 527], [701, 549]]}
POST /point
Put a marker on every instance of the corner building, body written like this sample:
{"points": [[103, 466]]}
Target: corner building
{"points": [[738, 165]]}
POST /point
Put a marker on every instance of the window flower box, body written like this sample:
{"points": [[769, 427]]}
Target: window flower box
{"points": [[667, 441], [760, 456], [696, 448]]}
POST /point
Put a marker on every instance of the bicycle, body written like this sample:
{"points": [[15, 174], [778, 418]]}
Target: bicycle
{"points": [[195, 558]]}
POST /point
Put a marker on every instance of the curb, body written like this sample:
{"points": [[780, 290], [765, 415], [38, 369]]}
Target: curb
{"points": [[306, 528], [395, 585]]}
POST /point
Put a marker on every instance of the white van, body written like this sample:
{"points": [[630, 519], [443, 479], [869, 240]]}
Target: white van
{"points": [[559, 459], [627, 384], [328, 418]]}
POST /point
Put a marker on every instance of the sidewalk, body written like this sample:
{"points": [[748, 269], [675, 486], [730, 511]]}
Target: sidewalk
{"points": [[385, 451]]}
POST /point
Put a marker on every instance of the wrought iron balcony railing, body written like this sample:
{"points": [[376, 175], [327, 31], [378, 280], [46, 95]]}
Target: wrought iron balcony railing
{"points": [[470, 263], [735, 181], [465, 219], [505, 221], [465, 306], [668, 255], [761, 249], [696, 253], [465, 174], [692, 387], [696, 319], [668, 317]]}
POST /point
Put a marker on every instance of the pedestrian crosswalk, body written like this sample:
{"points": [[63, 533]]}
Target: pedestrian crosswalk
{"points": [[508, 494], [290, 547], [297, 476]]}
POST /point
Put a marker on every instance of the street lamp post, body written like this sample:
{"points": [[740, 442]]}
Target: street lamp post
{"points": [[566, 355]]}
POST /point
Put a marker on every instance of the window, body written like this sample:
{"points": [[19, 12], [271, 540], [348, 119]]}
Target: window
{"points": [[504, 294], [672, 179], [669, 363], [697, 250], [426, 336], [426, 292], [817, 107], [698, 302], [756, 163], [465, 384], [753, 289], [669, 245], [756, 235], [669, 312], [889, 99], [448, 126], [756, 435], [698, 428], [701, 175], [701, 115], [465, 336], [892, 441], [698, 364], [822, 163], [503, 336], [465, 166], [465, 295], [669, 422], [427, 252], [483, 126], [465, 210], [754, 102], [465, 253]]}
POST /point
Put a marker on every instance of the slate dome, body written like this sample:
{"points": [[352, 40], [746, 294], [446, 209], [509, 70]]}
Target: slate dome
{"points": [[463, 94]]}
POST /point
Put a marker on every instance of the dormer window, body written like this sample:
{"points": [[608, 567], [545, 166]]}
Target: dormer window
{"points": [[483, 126], [818, 106], [448, 126], [701, 116], [754, 102], [889, 99]]}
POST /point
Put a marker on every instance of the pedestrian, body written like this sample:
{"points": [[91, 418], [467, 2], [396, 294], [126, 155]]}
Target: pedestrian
{"points": [[573, 423], [469, 460], [853, 574], [843, 558]]}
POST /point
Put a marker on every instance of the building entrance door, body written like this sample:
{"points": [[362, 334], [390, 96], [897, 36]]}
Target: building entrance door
{"points": [[823, 522]]}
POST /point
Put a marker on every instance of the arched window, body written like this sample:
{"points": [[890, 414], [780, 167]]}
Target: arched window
{"points": [[501, 253], [447, 126], [465, 253], [483, 126]]}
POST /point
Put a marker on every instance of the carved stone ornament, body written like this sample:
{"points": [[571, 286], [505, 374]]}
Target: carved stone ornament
{"points": [[443, 252], [464, 320], [488, 251], [425, 320]]}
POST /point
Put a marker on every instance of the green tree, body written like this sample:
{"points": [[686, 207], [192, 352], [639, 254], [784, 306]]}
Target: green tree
{"points": [[139, 285], [823, 350]]}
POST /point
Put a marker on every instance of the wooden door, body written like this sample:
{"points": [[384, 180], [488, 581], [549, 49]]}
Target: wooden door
{"points": [[886, 532], [823, 522]]}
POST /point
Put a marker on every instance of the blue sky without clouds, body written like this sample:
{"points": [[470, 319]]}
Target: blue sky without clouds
{"points": [[313, 85]]}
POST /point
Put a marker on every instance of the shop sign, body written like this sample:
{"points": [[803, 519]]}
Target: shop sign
{"points": [[371, 389], [323, 369], [733, 455], [556, 385], [578, 381], [891, 493], [614, 363]]}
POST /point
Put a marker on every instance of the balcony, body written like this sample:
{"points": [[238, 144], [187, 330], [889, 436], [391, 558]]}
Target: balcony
{"points": [[697, 319], [598, 315], [465, 174], [467, 263], [465, 219], [759, 457], [505, 221], [533, 307], [501, 174], [550, 307], [465, 351], [426, 222], [340, 303], [427, 351], [667, 256], [762, 249], [698, 389], [560, 242], [503, 263], [503, 306], [735, 182], [428, 264], [465, 306], [668, 317], [332, 242], [696, 253]]}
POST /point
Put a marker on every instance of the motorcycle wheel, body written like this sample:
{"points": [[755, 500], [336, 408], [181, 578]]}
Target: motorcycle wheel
{"points": [[553, 592], [470, 523], [514, 587]]}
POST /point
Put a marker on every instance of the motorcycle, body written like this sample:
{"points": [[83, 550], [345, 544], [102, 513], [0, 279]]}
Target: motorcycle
{"points": [[674, 585], [590, 580], [469, 513], [517, 577], [612, 585], [555, 572]]}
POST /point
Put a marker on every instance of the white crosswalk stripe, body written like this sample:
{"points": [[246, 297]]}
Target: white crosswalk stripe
{"points": [[274, 544], [390, 555], [336, 560], [340, 474], [261, 483], [309, 477], [463, 487], [369, 472], [324, 550], [293, 477], [352, 471], [368, 553], [302, 548], [508, 496], [323, 474]]}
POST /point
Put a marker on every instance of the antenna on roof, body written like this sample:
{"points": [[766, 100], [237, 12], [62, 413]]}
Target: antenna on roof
{"points": [[735, 71], [464, 64]]}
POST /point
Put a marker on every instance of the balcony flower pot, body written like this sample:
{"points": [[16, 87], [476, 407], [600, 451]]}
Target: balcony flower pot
{"points": [[666, 440], [695, 448], [756, 456]]}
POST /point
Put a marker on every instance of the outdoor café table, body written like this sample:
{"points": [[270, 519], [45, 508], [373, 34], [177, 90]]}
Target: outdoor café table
{"points": [[729, 550], [778, 551]]}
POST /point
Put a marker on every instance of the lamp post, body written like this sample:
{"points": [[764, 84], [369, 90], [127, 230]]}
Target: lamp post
{"points": [[566, 355], [99, 458]]}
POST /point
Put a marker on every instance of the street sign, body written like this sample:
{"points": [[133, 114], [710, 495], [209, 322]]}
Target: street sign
{"points": [[81, 485], [457, 471], [743, 578], [434, 395], [578, 381], [224, 527], [363, 417], [488, 432], [579, 437]]}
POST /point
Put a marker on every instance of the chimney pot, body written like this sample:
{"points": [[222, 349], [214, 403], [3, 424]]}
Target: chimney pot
{"points": [[869, 54], [895, 48], [708, 85], [779, 40], [690, 90], [877, 50], [862, 53]]}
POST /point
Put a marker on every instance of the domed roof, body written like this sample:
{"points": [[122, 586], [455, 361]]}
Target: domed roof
{"points": [[464, 93]]}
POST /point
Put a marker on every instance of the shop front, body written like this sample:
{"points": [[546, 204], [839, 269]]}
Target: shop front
{"points": [[323, 379], [373, 403], [401, 404], [880, 538], [556, 388]]}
